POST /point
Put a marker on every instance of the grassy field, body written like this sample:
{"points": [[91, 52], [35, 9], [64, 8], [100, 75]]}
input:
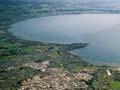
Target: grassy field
{"points": [[115, 85]]}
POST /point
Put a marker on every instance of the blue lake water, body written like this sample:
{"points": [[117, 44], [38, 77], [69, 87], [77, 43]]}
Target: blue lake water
{"points": [[102, 31]]}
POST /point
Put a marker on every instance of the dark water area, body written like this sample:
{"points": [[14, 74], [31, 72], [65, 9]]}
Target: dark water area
{"points": [[101, 31]]}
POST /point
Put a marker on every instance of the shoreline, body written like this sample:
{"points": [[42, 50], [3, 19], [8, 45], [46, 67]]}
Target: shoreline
{"points": [[39, 42]]}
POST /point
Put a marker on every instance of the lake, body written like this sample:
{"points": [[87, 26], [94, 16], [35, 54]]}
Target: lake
{"points": [[101, 31]]}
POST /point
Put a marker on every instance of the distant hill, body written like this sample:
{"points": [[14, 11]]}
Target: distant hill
{"points": [[96, 5], [66, 0]]}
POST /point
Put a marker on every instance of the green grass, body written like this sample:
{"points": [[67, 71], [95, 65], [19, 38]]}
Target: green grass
{"points": [[77, 68], [115, 85]]}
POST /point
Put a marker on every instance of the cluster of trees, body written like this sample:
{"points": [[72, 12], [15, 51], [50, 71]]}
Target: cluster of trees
{"points": [[8, 49], [11, 80], [117, 76]]}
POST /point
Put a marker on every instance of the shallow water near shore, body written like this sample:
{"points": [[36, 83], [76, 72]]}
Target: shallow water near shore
{"points": [[101, 31]]}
